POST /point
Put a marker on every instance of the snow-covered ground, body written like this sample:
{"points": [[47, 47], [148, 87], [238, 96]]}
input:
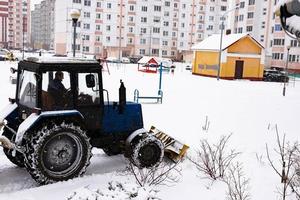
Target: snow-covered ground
{"points": [[248, 110]]}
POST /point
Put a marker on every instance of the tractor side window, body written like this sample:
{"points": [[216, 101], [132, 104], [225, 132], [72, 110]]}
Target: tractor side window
{"points": [[88, 95], [27, 89], [56, 92]]}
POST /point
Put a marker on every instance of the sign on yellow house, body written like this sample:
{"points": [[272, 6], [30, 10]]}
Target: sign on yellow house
{"points": [[242, 57]]}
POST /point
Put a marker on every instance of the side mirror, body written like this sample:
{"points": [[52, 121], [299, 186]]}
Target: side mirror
{"points": [[90, 80], [13, 70]]}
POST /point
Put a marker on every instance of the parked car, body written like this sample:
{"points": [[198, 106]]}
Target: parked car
{"points": [[275, 75], [125, 60]]}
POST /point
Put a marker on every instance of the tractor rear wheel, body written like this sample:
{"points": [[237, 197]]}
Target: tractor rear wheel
{"points": [[147, 151], [18, 159], [58, 152]]}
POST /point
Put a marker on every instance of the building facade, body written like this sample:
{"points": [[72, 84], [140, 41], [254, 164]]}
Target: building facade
{"points": [[257, 18], [135, 27], [42, 25], [3, 23], [18, 29]]}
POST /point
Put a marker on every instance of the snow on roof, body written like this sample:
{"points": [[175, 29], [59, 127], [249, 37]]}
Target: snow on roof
{"points": [[146, 59], [212, 43], [60, 60]]}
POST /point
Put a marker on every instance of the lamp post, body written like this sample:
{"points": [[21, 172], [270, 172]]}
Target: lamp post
{"points": [[221, 39], [75, 14], [286, 72]]}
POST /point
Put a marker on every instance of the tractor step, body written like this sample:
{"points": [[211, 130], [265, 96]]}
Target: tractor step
{"points": [[174, 149]]}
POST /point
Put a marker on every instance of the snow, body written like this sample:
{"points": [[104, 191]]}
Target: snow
{"points": [[213, 42], [248, 110]]}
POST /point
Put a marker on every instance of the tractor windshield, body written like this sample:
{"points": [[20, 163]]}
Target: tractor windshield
{"points": [[27, 89]]}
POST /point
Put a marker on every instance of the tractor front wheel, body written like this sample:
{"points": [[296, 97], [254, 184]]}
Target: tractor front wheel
{"points": [[58, 152], [147, 151]]}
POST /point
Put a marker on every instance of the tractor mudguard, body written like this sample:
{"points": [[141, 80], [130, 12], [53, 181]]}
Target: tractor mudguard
{"points": [[8, 112], [34, 119]]}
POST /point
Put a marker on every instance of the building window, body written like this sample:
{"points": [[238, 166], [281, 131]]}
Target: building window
{"points": [[142, 51], [164, 53], [155, 51], [108, 16], [241, 18], [165, 43], [76, 1], [212, 9], [249, 28], [86, 48], [86, 26], [251, 2], [86, 37], [165, 33], [223, 8], [240, 30], [86, 14], [130, 29], [242, 4], [131, 7], [167, 4], [108, 28], [278, 27], [98, 4], [142, 41], [156, 30], [98, 16], [144, 19], [144, 8], [250, 15], [87, 2], [157, 8], [108, 5], [98, 27]]}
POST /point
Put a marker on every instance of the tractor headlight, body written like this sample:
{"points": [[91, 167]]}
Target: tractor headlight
{"points": [[24, 115]]}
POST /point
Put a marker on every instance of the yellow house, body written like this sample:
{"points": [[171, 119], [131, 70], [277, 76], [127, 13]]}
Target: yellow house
{"points": [[242, 57]]}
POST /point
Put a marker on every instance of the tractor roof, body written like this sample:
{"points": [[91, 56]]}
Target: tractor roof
{"points": [[59, 63]]}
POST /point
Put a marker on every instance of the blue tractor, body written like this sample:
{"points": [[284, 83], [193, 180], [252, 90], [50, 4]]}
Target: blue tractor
{"points": [[61, 111]]}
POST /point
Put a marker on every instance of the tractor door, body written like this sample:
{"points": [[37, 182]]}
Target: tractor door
{"points": [[89, 100]]}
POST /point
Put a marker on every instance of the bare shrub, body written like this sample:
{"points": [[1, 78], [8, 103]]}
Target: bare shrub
{"points": [[295, 183], [237, 184], [284, 169], [165, 173], [205, 127], [214, 160]]}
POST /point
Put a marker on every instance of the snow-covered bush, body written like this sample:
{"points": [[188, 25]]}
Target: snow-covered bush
{"points": [[237, 183], [214, 159], [115, 190], [165, 173], [286, 167]]}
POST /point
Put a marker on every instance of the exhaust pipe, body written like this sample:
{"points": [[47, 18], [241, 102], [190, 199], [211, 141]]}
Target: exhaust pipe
{"points": [[6, 143]]}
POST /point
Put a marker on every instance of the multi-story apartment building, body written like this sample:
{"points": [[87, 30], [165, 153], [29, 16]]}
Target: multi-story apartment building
{"points": [[18, 24], [214, 11], [279, 43], [42, 25], [3, 23], [257, 18], [135, 27]]}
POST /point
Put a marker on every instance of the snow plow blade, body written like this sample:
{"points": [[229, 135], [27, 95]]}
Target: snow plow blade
{"points": [[174, 149]]}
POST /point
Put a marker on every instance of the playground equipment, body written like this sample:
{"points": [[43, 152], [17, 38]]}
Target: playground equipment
{"points": [[159, 96]]}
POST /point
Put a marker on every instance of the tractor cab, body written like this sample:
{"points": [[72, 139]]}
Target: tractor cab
{"points": [[60, 85]]}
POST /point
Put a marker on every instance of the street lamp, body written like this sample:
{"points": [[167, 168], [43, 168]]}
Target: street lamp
{"points": [[221, 40], [75, 14], [286, 72]]}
